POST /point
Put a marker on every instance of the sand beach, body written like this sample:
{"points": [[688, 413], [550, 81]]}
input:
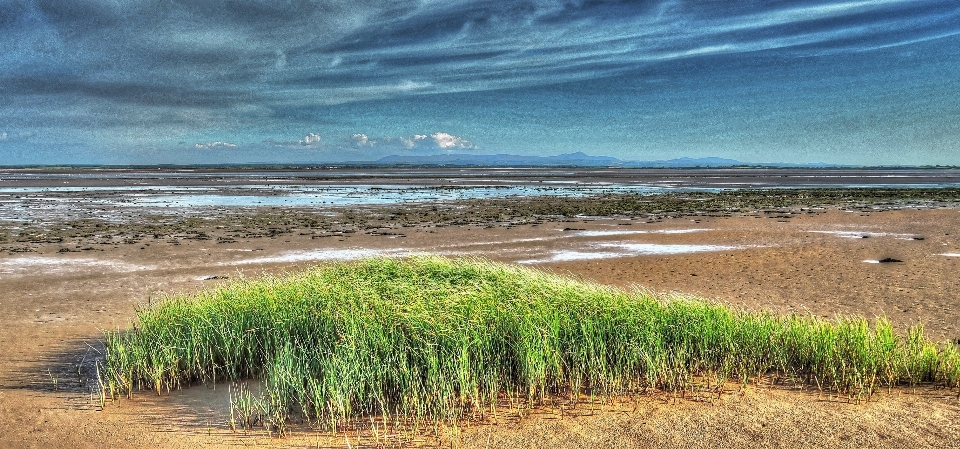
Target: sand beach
{"points": [[825, 252]]}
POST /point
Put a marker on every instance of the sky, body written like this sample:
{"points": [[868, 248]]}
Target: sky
{"points": [[274, 81]]}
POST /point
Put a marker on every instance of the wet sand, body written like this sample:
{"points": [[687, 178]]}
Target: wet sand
{"points": [[66, 281]]}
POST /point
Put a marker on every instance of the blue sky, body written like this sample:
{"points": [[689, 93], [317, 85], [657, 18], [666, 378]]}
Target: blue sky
{"points": [[215, 81]]}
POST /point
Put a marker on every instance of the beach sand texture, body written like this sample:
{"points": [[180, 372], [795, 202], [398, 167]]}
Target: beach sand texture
{"points": [[60, 294]]}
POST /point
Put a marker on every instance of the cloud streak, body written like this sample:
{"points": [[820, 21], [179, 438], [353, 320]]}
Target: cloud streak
{"points": [[214, 145], [148, 73], [328, 52]]}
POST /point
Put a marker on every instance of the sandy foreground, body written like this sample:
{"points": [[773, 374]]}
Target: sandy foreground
{"points": [[58, 295]]}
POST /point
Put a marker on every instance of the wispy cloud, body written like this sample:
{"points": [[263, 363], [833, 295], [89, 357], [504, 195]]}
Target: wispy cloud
{"points": [[214, 145], [95, 69], [328, 52]]}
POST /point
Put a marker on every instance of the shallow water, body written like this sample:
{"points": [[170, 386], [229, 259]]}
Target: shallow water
{"points": [[41, 203], [658, 248], [47, 265], [567, 256], [118, 195], [325, 254], [658, 231], [622, 249], [867, 234], [576, 246]]}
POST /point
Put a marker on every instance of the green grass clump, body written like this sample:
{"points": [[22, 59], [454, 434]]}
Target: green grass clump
{"points": [[429, 339]]}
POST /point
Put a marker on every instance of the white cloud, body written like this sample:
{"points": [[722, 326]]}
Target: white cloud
{"points": [[410, 142], [445, 141], [211, 145], [422, 142], [310, 139], [4, 136], [362, 140], [407, 86]]}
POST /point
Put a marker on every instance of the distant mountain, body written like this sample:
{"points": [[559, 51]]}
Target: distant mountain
{"points": [[578, 159], [685, 162], [498, 160]]}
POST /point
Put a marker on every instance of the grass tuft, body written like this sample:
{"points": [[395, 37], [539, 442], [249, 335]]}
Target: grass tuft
{"points": [[430, 340]]}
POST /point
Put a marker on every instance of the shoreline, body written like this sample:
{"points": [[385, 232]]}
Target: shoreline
{"points": [[697, 177]]}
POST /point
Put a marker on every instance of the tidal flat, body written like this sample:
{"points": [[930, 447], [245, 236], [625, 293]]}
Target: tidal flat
{"points": [[69, 276]]}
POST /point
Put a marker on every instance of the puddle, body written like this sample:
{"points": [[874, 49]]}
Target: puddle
{"points": [[656, 248], [867, 234], [212, 277], [849, 234], [324, 254], [626, 250], [498, 242], [658, 231], [52, 265], [680, 231], [887, 260], [566, 256]]}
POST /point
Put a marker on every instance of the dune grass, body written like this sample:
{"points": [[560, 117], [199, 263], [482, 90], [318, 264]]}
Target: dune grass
{"points": [[429, 339]]}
